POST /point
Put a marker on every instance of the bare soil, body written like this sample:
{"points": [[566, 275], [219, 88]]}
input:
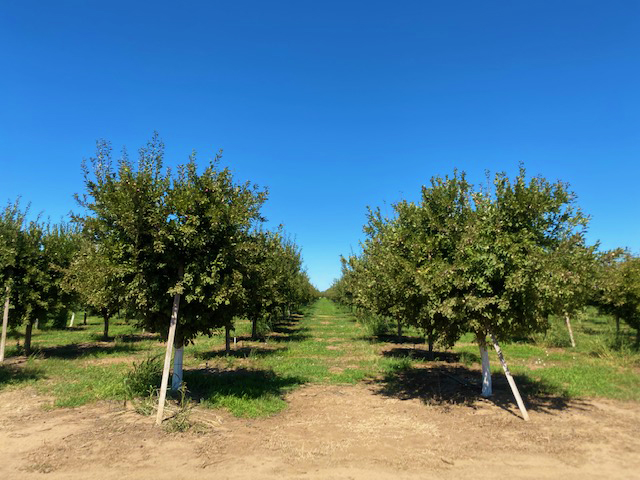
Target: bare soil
{"points": [[342, 432]]}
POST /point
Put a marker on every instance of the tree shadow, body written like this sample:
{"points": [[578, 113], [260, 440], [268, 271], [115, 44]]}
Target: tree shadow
{"points": [[436, 356], [207, 383], [137, 337], [242, 352], [77, 350], [388, 338], [448, 383], [14, 374], [282, 334]]}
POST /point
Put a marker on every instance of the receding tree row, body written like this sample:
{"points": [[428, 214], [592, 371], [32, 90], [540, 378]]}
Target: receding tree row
{"points": [[150, 242], [495, 261]]}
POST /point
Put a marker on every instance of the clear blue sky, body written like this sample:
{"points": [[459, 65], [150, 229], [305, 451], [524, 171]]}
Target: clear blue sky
{"points": [[332, 105]]}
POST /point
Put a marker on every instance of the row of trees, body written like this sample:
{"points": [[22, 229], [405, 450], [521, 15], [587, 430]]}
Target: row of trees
{"points": [[495, 261], [150, 241], [34, 257]]}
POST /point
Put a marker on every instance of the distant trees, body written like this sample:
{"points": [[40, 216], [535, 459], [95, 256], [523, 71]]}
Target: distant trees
{"points": [[33, 259], [488, 261], [618, 288]]}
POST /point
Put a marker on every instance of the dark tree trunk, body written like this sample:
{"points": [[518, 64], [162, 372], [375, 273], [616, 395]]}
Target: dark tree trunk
{"points": [[85, 318], [254, 329], [399, 331], [617, 326], [106, 327], [27, 338], [227, 339]]}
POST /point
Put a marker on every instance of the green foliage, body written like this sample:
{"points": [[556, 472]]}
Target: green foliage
{"points": [[144, 378], [171, 234], [619, 287], [492, 260], [33, 259]]}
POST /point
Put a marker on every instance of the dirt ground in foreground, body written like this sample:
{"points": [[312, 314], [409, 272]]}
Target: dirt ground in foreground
{"points": [[345, 432]]}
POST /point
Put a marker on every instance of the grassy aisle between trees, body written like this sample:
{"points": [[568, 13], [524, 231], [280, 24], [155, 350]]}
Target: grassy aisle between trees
{"points": [[325, 345]]}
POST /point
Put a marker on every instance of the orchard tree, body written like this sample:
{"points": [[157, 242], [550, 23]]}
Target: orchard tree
{"points": [[172, 236], [60, 243], [494, 261], [619, 288], [96, 282], [31, 281], [11, 224]]}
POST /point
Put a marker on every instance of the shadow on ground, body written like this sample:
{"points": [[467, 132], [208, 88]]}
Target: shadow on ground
{"points": [[448, 383], [15, 374], [77, 350], [205, 384], [242, 352], [289, 332], [425, 355], [137, 337], [404, 339]]}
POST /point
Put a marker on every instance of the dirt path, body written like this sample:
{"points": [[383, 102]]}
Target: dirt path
{"points": [[327, 432]]}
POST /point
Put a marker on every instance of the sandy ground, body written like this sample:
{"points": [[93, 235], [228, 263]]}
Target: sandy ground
{"points": [[345, 432]]}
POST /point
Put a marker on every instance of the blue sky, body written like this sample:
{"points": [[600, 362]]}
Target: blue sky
{"points": [[332, 105]]}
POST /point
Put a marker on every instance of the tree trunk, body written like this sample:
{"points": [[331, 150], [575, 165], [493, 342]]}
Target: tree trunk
{"points": [[85, 318], [106, 327], [167, 357], [176, 380], [617, 326], [254, 329], [637, 337], [73, 317], [510, 379], [5, 323], [399, 330], [568, 322], [27, 338], [227, 339], [487, 389]]}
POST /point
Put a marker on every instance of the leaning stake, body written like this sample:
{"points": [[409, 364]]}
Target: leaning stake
{"points": [[568, 322], [5, 322], [510, 379], [167, 357]]}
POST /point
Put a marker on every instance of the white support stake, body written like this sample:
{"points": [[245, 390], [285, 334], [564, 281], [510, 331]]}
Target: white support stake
{"points": [[510, 379], [176, 379], [167, 358], [5, 323], [487, 390], [568, 322], [73, 317]]}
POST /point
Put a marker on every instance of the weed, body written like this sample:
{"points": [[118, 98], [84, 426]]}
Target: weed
{"points": [[180, 421], [143, 376]]}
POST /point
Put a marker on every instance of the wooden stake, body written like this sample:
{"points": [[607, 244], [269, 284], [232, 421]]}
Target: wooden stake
{"points": [[510, 379], [167, 358], [568, 322], [5, 323], [73, 317]]}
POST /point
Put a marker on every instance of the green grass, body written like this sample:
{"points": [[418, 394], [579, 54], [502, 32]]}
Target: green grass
{"points": [[325, 345]]}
